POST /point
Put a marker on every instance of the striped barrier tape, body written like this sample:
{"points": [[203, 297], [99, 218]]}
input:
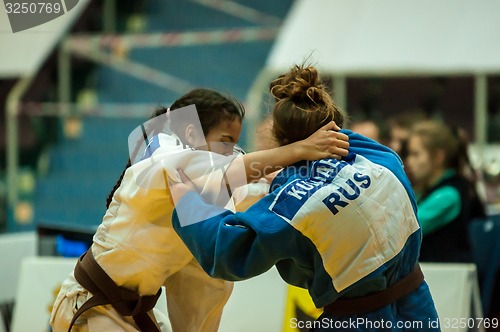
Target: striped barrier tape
{"points": [[172, 39]]}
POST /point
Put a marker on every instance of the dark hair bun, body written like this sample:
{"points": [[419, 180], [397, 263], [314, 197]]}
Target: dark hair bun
{"points": [[300, 83], [303, 105]]}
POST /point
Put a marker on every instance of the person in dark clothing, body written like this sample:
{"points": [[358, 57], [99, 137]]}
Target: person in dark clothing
{"points": [[446, 197]]}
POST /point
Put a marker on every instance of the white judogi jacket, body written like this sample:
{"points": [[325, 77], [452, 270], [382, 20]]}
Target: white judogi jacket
{"points": [[138, 248]]}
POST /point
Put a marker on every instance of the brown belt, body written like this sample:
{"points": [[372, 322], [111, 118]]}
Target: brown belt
{"points": [[104, 291], [364, 304]]}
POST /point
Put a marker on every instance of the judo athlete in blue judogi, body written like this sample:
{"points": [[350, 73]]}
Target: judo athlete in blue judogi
{"points": [[346, 230]]}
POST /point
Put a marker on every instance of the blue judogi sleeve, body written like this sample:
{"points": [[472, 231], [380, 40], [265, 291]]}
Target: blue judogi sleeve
{"points": [[233, 246]]}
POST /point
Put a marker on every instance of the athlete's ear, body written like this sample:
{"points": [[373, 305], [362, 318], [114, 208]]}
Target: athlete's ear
{"points": [[193, 136]]}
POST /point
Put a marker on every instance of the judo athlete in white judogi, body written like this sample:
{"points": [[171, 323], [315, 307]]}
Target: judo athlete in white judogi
{"points": [[139, 251], [137, 247]]}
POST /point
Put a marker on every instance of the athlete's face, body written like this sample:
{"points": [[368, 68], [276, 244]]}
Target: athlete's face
{"points": [[222, 138], [419, 160]]}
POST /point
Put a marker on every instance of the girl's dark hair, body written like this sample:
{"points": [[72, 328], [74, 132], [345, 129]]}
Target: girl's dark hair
{"points": [[303, 105], [212, 108]]}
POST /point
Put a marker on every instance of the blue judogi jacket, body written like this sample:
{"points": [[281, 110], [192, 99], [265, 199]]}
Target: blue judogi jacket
{"points": [[338, 228]]}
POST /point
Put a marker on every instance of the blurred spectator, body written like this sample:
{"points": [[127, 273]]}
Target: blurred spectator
{"points": [[368, 128], [446, 197], [399, 129]]}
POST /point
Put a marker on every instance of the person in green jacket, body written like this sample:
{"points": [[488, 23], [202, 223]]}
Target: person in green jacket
{"points": [[446, 197]]}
